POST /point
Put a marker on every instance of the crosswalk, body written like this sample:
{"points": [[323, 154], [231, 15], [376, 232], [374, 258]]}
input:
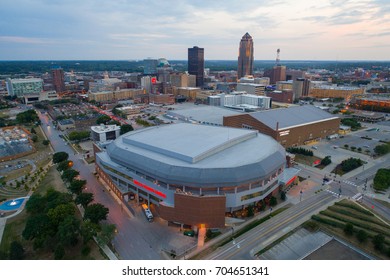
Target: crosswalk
{"points": [[333, 193], [357, 197], [349, 183]]}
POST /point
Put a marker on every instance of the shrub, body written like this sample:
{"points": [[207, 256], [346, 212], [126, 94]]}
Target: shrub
{"points": [[378, 242], [348, 229], [362, 236]]}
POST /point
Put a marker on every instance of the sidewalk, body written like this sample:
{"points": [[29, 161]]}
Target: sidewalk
{"points": [[230, 232]]}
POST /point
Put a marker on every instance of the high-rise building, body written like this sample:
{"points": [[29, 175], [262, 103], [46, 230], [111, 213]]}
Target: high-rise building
{"points": [[58, 77], [22, 87], [196, 64], [245, 56], [150, 66]]}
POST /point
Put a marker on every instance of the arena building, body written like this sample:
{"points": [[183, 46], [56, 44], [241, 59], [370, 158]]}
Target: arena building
{"points": [[194, 174], [293, 126]]}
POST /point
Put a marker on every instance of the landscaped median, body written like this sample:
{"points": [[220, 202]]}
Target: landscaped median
{"points": [[357, 225]]}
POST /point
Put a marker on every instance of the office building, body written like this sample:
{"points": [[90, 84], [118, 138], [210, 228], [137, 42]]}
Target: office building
{"points": [[58, 77], [196, 64], [22, 87], [102, 133], [245, 56], [150, 66]]}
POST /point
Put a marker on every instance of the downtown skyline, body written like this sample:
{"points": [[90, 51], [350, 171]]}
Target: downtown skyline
{"points": [[127, 30]]}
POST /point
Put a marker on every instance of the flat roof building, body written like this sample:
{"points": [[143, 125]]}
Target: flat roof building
{"points": [[293, 126], [193, 174], [102, 133]]}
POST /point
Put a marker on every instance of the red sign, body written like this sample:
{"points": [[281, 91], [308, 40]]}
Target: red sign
{"points": [[160, 194], [153, 80], [291, 180], [317, 162]]}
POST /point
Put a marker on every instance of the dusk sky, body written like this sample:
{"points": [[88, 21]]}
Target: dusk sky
{"points": [[127, 29]]}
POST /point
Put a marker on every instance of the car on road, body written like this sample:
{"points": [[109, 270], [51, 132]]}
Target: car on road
{"points": [[314, 147]]}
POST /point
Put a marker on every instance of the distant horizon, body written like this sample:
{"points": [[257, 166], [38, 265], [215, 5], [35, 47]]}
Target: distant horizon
{"points": [[139, 60]]}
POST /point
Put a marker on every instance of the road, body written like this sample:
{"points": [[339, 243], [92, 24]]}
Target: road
{"points": [[245, 246]]}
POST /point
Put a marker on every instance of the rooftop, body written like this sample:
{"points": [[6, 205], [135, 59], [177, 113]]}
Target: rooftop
{"points": [[105, 128], [292, 116], [203, 113]]}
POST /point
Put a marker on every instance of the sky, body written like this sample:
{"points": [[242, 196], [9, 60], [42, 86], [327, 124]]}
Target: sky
{"points": [[138, 29]]}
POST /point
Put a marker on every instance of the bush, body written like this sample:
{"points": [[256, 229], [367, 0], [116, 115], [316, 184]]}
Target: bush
{"points": [[348, 229], [350, 164], [273, 201], [379, 241], [85, 250], [382, 179], [362, 236], [283, 195], [326, 161], [300, 151]]}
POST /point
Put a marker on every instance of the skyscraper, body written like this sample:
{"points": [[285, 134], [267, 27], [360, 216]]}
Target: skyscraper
{"points": [[196, 64], [58, 79], [245, 56]]}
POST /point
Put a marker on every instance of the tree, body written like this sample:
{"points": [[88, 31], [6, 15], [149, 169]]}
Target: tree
{"points": [[77, 186], [88, 230], [37, 226], [84, 199], [64, 165], [283, 195], [348, 229], [326, 161], [28, 116], [36, 204], [32, 130], [382, 179], [16, 251], [126, 128], [60, 213], [78, 135], [59, 252], [103, 119], [34, 138], [95, 213], [69, 174], [382, 149], [251, 211], [106, 234], [273, 201], [378, 242], [60, 156], [68, 231], [362, 236], [45, 142]]}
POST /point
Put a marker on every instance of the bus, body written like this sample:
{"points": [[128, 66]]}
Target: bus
{"points": [[147, 212]]}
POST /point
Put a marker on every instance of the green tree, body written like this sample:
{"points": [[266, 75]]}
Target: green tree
{"points": [[60, 157], [77, 186], [34, 138], [362, 236], [326, 161], [45, 142], [382, 149], [32, 130], [103, 119], [106, 234], [379, 241], [95, 213], [28, 116], [283, 195], [348, 229], [35, 204], [16, 251], [60, 213], [69, 174], [126, 128], [78, 135], [37, 226], [59, 252], [68, 231], [382, 179], [64, 165], [89, 230], [251, 211], [273, 201], [84, 199]]}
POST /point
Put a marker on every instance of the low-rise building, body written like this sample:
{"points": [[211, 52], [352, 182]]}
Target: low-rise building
{"points": [[102, 133]]}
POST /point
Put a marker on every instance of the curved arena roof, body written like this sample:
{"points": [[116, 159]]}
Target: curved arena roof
{"points": [[198, 155]]}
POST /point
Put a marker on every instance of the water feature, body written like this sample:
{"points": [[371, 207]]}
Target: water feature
{"points": [[13, 204]]}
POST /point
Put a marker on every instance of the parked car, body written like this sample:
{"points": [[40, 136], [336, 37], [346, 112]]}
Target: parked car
{"points": [[189, 232]]}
